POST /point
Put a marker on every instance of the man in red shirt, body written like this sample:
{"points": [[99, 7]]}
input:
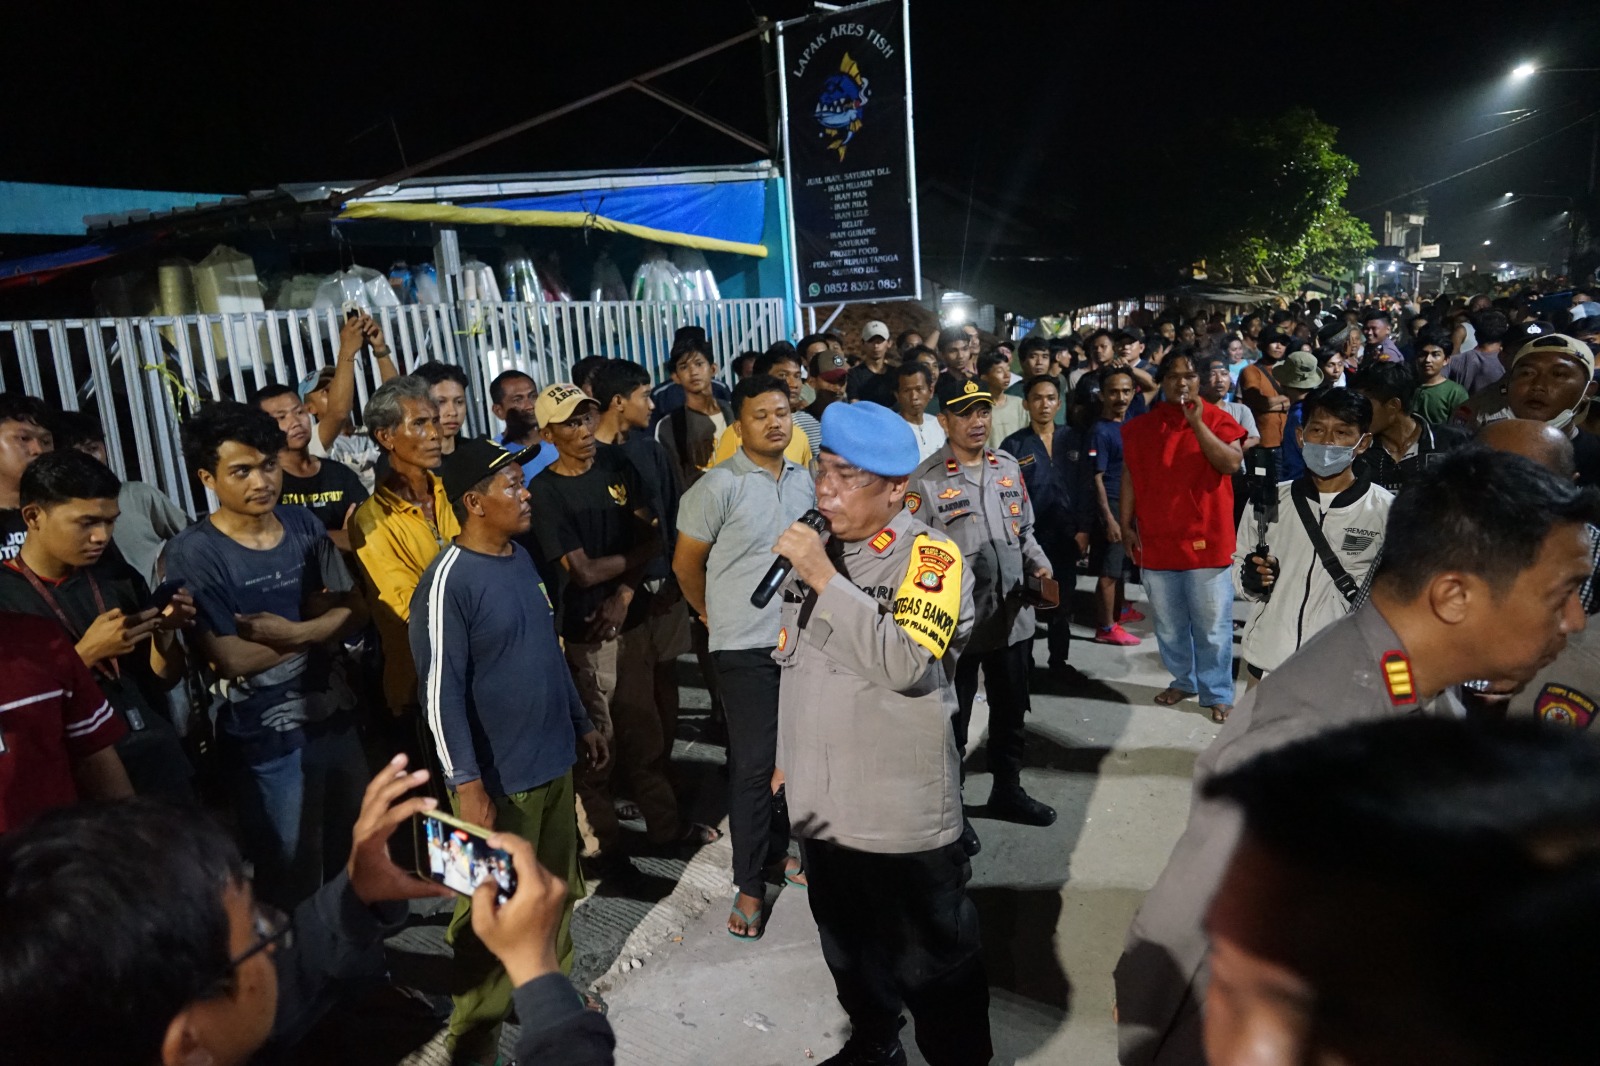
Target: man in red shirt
{"points": [[57, 731], [1177, 517]]}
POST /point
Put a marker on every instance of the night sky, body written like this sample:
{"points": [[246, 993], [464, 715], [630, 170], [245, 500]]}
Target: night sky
{"points": [[1023, 102]]}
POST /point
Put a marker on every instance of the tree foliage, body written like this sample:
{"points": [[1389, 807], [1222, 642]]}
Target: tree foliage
{"points": [[1278, 206]]}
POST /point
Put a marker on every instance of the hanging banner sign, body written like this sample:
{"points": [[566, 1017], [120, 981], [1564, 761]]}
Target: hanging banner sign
{"points": [[850, 165]]}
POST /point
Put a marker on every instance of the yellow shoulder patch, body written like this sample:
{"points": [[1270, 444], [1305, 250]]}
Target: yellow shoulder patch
{"points": [[928, 602]]}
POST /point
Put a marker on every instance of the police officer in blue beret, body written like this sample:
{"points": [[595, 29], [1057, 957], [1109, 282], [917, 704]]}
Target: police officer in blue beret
{"points": [[873, 619]]}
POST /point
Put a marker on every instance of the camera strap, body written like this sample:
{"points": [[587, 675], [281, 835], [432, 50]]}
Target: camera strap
{"points": [[1319, 543]]}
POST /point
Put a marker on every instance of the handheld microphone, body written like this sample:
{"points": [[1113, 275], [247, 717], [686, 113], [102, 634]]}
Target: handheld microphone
{"points": [[781, 567]]}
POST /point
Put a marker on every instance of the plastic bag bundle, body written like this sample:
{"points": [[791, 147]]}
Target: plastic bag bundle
{"points": [[605, 281], [297, 292], [402, 282], [362, 286], [522, 279], [657, 279], [478, 282], [426, 282], [699, 282]]}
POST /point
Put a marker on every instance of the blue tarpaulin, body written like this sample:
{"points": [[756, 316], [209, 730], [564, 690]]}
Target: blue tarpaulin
{"points": [[730, 211]]}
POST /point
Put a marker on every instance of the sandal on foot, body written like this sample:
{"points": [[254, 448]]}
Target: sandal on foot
{"points": [[1171, 697], [792, 872], [1220, 712], [753, 922], [699, 835], [592, 1001]]}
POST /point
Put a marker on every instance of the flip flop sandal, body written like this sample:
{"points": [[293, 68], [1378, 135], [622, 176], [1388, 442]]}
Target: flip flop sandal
{"points": [[751, 921], [790, 875], [1165, 701], [1219, 713]]}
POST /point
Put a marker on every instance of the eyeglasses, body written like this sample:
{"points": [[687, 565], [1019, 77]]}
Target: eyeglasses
{"points": [[271, 928]]}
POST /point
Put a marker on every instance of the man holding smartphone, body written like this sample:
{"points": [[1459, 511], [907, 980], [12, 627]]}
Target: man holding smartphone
{"points": [[504, 713], [69, 508]]}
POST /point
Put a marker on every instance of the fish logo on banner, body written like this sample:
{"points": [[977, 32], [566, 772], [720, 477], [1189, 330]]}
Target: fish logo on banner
{"points": [[841, 104]]}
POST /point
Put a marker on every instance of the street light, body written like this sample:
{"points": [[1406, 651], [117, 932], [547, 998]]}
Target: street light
{"points": [[1522, 70], [1486, 244], [1509, 195]]}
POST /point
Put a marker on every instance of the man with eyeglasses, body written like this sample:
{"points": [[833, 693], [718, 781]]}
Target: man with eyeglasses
{"points": [[872, 621], [132, 937]]}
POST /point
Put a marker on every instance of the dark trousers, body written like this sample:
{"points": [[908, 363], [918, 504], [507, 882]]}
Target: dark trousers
{"points": [[899, 931], [1063, 556], [1005, 681], [758, 825]]}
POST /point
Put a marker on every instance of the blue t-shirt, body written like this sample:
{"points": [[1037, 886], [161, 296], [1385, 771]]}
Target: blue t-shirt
{"points": [[491, 678], [1105, 453], [263, 715], [545, 456]]}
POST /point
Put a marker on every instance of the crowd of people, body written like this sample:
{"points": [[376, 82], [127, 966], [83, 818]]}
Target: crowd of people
{"points": [[1387, 488]]}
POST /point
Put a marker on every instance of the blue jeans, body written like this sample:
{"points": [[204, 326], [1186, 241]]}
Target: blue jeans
{"points": [[1194, 629], [296, 811]]}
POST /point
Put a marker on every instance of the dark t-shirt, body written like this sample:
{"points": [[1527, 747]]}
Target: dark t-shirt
{"points": [[265, 712], [13, 531], [663, 487], [1105, 457], [862, 384], [329, 493], [1586, 456], [594, 512]]}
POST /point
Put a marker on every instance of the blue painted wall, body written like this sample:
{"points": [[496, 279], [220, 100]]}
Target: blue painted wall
{"points": [[27, 207]]}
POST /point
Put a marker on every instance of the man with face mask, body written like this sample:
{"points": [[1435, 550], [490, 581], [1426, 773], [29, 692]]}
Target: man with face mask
{"points": [[1322, 544], [1551, 380]]}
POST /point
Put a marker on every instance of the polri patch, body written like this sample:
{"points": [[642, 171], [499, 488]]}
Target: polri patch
{"points": [[1397, 678], [881, 542], [1560, 705], [913, 502]]}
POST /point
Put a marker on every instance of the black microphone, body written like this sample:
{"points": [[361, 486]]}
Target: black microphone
{"points": [[782, 567]]}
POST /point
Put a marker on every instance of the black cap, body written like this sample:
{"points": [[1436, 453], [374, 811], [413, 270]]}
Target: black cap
{"points": [[475, 459], [958, 394]]}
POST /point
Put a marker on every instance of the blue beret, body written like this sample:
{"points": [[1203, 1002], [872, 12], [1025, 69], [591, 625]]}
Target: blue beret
{"points": [[870, 436]]}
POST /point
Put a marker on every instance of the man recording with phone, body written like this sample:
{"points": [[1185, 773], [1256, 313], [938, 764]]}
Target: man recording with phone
{"points": [[329, 395], [145, 911], [1324, 541], [69, 506], [505, 715]]}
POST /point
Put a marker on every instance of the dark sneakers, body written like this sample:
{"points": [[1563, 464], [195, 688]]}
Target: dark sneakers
{"points": [[1010, 804], [857, 1052]]}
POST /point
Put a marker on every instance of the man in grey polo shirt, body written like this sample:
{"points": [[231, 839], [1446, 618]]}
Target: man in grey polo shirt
{"points": [[727, 523]]}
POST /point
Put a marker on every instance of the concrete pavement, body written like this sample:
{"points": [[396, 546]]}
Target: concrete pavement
{"points": [[1054, 902]]}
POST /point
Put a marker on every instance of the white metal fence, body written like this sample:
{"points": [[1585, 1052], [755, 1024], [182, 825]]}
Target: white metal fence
{"points": [[143, 376]]}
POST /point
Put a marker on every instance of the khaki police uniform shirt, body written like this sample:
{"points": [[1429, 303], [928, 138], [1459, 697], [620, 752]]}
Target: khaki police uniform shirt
{"points": [[985, 509], [867, 693], [1353, 671]]}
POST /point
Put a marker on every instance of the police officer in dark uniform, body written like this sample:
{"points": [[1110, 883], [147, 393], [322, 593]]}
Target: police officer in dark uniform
{"points": [[977, 497], [1050, 456]]}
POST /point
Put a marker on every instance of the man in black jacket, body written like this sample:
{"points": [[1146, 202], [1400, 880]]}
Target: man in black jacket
{"points": [[133, 937]]}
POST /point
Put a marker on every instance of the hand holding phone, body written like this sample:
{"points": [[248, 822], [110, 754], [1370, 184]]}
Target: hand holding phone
{"points": [[521, 931], [458, 855], [163, 593], [374, 877]]}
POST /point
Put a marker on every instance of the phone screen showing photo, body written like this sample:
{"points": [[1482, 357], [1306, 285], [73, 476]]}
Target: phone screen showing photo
{"points": [[461, 860]]}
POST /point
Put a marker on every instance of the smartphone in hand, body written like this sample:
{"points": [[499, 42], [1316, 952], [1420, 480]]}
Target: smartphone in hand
{"points": [[457, 855], [162, 595]]}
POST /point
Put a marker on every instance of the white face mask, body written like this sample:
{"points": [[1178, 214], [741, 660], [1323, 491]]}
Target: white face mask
{"points": [[1567, 417]]}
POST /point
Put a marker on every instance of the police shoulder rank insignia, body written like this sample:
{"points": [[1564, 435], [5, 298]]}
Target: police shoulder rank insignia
{"points": [[994, 460], [1397, 678], [928, 602], [952, 467], [619, 494], [1007, 481], [949, 494], [913, 502], [1025, 460], [783, 638], [881, 542], [1560, 705]]}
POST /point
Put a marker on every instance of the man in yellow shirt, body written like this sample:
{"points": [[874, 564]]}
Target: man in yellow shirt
{"points": [[396, 533]]}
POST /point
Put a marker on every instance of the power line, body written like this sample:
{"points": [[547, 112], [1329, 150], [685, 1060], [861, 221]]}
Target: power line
{"points": [[1479, 166]]}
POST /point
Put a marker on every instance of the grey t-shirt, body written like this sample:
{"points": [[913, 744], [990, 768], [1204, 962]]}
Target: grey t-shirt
{"points": [[740, 510], [147, 522]]}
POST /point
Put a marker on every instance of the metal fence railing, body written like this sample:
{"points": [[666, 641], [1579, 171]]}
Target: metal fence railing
{"points": [[143, 376]]}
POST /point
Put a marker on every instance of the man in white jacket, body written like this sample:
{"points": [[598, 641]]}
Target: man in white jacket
{"points": [[1306, 581]]}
